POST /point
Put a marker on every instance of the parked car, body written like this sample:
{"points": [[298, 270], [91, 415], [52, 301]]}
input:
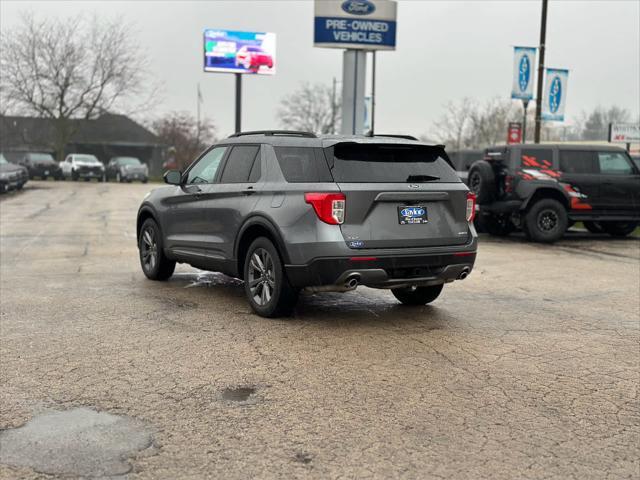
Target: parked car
{"points": [[41, 165], [252, 58], [288, 210], [81, 165], [126, 169], [543, 188], [12, 176]]}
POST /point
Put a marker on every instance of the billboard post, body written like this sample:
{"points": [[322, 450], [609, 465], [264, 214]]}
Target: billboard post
{"points": [[238, 102]]}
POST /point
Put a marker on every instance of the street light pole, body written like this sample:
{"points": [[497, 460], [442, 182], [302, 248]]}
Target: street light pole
{"points": [[543, 36]]}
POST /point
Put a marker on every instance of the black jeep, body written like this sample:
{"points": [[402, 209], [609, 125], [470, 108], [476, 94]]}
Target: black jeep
{"points": [[544, 189]]}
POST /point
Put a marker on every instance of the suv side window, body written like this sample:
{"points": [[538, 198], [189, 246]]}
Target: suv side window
{"points": [[303, 164], [578, 161], [239, 164], [614, 163], [204, 171], [537, 157]]}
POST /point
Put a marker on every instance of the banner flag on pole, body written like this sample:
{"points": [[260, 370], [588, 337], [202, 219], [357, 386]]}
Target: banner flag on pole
{"points": [[524, 61], [554, 97]]}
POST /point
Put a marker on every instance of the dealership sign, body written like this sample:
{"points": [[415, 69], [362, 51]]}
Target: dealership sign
{"points": [[355, 24], [554, 99], [514, 133], [239, 52], [524, 60], [624, 132]]}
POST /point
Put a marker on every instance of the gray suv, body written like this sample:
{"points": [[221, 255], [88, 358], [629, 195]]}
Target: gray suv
{"points": [[287, 211]]}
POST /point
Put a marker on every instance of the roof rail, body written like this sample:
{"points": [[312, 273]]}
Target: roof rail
{"points": [[271, 133], [406, 137]]}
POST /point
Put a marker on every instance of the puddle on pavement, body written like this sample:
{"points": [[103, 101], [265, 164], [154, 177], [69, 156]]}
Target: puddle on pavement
{"points": [[208, 279], [239, 394], [79, 442]]}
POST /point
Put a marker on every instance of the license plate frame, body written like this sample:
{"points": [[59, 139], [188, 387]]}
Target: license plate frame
{"points": [[412, 215]]}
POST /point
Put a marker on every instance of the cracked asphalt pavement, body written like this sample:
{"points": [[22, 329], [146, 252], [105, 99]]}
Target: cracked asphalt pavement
{"points": [[527, 369]]}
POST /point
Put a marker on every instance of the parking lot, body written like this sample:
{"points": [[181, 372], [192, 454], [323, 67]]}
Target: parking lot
{"points": [[527, 369]]}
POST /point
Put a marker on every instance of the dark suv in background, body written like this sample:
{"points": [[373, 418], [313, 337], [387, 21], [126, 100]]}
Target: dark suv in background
{"points": [[544, 188], [288, 210], [41, 165]]}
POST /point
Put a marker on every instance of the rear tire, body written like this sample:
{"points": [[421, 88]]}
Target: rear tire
{"points": [[593, 227], [482, 181], [417, 295], [619, 229], [265, 282], [546, 221], [155, 265]]}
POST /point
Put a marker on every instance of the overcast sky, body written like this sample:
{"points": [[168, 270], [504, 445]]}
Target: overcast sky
{"points": [[445, 50]]}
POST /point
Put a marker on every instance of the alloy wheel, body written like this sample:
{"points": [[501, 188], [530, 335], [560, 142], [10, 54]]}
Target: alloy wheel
{"points": [[261, 279], [149, 249], [548, 220]]}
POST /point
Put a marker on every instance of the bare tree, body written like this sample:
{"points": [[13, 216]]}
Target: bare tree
{"points": [[180, 130], [310, 108], [595, 124], [64, 69], [452, 128]]}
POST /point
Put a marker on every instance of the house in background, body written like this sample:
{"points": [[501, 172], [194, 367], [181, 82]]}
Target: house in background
{"points": [[107, 136]]}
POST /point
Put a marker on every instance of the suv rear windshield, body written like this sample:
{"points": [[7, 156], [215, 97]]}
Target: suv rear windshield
{"points": [[357, 163]]}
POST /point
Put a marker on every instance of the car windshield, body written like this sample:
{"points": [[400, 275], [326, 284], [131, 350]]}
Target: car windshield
{"points": [[128, 161], [86, 158], [40, 157]]}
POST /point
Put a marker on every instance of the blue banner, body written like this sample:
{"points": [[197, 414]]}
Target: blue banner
{"points": [[355, 32]]}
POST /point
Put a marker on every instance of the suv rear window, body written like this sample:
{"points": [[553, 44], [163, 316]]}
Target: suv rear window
{"points": [[303, 164], [239, 164], [354, 163]]}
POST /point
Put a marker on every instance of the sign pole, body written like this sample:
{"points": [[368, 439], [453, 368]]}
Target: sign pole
{"points": [[373, 95], [238, 102], [525, 105], [543, 36]]}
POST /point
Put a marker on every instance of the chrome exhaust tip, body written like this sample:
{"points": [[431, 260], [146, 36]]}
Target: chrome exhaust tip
{"points": [[464, 274], [351, 283]]}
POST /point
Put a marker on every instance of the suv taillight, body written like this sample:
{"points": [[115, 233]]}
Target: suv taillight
{"points": [[471, 206], [329, 207]]}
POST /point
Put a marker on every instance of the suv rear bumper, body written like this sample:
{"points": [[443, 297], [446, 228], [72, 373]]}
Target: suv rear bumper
{"points": [[383, 271]]}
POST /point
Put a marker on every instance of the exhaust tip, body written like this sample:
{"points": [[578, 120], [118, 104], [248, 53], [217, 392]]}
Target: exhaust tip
{"points": [[351, 283], [464, 274]]}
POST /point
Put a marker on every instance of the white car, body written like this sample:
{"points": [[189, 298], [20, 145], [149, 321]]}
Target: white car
{"points": [[81, 165]]}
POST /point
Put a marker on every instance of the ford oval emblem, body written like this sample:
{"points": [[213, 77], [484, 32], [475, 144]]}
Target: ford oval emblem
{"points": [[412, 212], [358, 7], [555, 94], [524, 73]]}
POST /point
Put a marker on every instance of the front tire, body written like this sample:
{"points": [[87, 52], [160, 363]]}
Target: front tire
{"points": [[155, 265], [417, 295], [619, 229], [265, 282], [546, 221]]}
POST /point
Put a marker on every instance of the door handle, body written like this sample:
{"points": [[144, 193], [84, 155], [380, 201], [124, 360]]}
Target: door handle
{"points": [[248, 191]]}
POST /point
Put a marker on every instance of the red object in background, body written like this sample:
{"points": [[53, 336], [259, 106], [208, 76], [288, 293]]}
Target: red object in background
{"points": [[514, 134]]}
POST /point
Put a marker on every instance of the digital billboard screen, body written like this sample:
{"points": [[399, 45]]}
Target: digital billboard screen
{"points": [[239, 52]]}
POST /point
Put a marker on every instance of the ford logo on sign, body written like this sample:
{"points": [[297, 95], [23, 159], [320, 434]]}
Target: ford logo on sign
{"points": [[555, 94], [358, 7], [412, 212], [523, 77]]}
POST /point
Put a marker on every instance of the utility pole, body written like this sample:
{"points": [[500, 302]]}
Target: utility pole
{"points": [[543, 36]]}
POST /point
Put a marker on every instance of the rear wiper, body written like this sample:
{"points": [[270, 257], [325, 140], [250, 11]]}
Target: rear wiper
{"points": [[421, 178]]}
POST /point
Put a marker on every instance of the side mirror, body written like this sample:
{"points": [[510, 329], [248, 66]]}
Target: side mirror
{"points": [[173, 177]]}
